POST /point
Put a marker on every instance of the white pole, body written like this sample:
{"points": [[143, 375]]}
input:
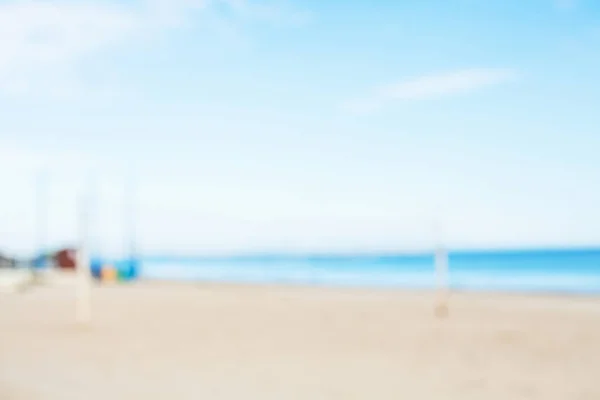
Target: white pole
{"points": [[441, 272], [41, 223], [129, 218], [83, 311], [41, 211]]}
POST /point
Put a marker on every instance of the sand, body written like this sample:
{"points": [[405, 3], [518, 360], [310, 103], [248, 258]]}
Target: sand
{"points": [[178, 341]]}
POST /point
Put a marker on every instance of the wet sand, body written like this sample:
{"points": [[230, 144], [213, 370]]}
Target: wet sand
{"points": [[180, 341]]}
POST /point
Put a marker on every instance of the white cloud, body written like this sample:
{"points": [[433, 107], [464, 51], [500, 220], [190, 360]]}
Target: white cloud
{"points": [[41, 40], [42, 43], [446, 84], [431, 87], [277, 12], [565, 4]]}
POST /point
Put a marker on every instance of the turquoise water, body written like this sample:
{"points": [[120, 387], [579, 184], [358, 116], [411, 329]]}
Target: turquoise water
{"points": [[567, 270]]}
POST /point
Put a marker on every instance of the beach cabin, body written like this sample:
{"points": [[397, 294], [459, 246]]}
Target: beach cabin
{"points": [[65, 259]]}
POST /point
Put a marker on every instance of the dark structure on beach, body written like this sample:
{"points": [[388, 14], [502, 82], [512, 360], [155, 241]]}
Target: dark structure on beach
{"points": [[65, 259], [7, 262]]}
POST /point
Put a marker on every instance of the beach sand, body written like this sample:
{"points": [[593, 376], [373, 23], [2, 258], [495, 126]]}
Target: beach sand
{"points": [[183, 341]]}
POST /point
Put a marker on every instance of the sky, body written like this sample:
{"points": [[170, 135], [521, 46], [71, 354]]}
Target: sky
{"points": [[274, 125]]}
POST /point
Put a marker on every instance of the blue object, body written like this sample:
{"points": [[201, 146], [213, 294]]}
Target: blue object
{"points": [[41, 261], [127, 269], [96, 267]]}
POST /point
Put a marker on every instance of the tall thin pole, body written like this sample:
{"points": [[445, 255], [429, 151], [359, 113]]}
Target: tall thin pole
{"points": [[441, 271], [41, 223], [130, 218], [130, 229], [83, 290], [441, 258]]}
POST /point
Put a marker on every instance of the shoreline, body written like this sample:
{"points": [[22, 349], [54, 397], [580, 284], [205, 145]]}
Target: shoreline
{"points": [[508, 294]]}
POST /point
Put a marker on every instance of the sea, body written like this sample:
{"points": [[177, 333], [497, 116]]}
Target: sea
{"points": [[574, 271]]}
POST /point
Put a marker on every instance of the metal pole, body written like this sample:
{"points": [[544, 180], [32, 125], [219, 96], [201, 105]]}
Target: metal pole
{"points": [[83, 290], [441, 259], [41, 201], [129, 221], [441, 272], [130, 217]]}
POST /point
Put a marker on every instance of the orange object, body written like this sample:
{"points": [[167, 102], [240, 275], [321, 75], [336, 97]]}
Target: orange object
{"points": [[108, 273]]}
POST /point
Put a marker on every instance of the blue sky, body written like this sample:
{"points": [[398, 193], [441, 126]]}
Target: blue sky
{"points": [[296, 126]]}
